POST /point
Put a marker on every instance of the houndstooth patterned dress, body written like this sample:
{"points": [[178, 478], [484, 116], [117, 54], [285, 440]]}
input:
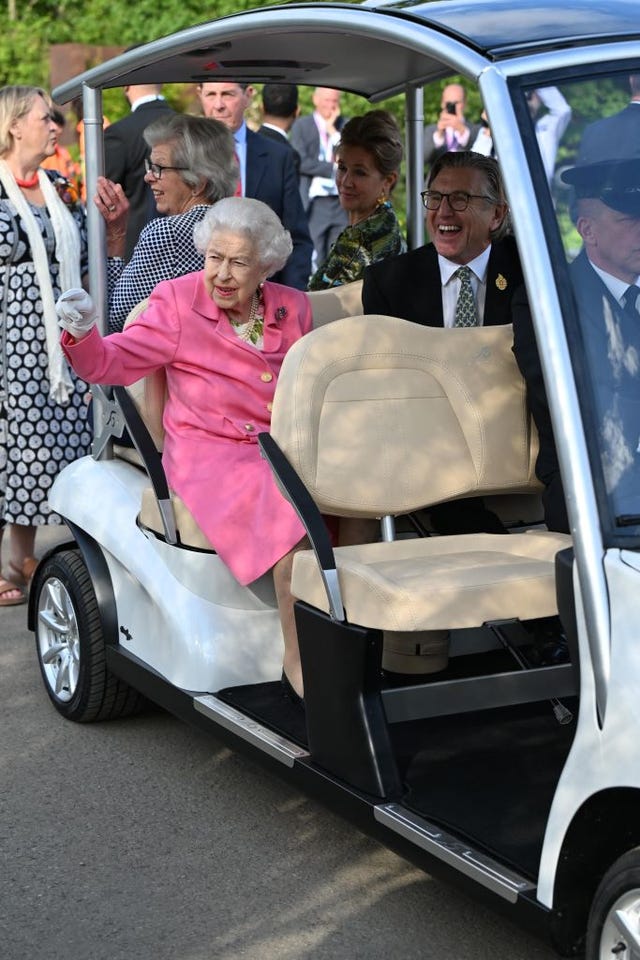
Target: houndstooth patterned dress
{"points": [[37, 436], [164, 251]]}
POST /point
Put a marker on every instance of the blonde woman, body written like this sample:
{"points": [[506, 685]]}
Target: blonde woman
{"points": [[43, 417]]}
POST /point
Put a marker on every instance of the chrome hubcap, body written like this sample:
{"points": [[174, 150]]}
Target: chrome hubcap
{"points": [[621, 930], [58, 639]]}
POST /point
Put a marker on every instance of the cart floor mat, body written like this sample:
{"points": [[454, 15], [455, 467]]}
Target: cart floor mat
{"points": [[490, 776]]}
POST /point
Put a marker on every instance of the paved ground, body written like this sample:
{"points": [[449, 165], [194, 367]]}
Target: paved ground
{"points": [[147, 839]]}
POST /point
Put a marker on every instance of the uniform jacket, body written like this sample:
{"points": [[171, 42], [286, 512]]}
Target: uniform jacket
{"points": [[271, 177], [220, 392], [616, 393]]}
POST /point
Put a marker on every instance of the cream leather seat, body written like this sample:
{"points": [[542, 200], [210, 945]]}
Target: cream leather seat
{"points": [[380, 417], [335, 303]]}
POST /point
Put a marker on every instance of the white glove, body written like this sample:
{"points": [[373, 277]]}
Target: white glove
{"points": [[76, 312]]}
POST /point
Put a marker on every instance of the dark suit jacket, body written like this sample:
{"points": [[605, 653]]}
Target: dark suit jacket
{"points": [[409, 286], [281, 138], [612, 138], [271, 177], [304, 138], [124, 155]]}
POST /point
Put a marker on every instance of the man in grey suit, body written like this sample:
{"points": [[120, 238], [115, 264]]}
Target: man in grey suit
{"points": [[616, 137], [315, 137], [125, 151]]}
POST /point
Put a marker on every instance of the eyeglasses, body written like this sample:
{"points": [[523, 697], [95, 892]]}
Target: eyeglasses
{"points": [[157, 169], [458, 200]]}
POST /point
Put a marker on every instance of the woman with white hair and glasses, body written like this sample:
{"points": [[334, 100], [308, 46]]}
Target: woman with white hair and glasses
{"points": [[43, 421], [220, 335], [192, 164]]}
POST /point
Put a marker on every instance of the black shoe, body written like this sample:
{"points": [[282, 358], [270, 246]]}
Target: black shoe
{"points": [[289, 692]]}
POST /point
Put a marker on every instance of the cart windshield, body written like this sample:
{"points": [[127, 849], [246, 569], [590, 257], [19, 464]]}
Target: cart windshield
{"points": [[588, 136]]}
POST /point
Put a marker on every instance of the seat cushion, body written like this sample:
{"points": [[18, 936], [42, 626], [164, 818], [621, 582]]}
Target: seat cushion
{"points": [[439, 583], [189, 533]]}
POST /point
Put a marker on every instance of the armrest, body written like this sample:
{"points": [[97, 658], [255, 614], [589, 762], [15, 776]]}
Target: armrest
{"points": [[151, 458], [298, 496]]}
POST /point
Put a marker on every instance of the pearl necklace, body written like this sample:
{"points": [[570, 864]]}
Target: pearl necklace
{"points": [[250, 325]]}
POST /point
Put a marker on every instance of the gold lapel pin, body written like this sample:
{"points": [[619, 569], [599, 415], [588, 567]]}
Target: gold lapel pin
{"points": [[501, 283]]}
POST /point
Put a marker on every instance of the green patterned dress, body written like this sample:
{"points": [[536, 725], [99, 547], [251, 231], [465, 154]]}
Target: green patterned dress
{"points": [[373, 239]]}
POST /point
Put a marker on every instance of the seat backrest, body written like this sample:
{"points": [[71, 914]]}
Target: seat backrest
{"points": [[149, 394], [336, 302], [382, 416]]}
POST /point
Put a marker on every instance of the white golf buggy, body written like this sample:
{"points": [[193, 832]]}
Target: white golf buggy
{"points": [[512, 768]]}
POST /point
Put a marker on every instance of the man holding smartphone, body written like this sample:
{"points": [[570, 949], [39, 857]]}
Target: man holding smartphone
{"points": [[451, 132]]}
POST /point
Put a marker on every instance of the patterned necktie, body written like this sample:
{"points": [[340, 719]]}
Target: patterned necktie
{"points": [[466, 314], [630, 302]]}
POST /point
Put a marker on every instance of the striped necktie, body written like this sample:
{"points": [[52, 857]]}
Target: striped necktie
{"points": [[238, 192]]}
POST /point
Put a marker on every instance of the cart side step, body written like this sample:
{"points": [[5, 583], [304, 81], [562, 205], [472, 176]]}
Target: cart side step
{"points": [[437, 842], [250, 730]]}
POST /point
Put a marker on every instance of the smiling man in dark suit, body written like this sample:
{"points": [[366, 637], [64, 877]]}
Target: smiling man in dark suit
{"points": [[267, 173], [466, 276], [467, 220]]}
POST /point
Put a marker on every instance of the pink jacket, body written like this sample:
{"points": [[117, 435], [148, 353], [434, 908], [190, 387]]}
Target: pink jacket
{"points": [[220, 392]]}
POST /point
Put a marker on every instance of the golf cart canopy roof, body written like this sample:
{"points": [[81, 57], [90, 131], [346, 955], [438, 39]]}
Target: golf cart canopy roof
{"points": [[336, 44]]}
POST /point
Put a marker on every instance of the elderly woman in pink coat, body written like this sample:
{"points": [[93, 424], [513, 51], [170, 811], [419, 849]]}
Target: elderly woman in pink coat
{"points": [[221, 335]]}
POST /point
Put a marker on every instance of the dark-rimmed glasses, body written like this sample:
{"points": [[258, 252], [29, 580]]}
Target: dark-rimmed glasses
{"points": [[458, 200], [157, 169]]}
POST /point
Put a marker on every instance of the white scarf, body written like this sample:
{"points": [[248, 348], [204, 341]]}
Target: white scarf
{"points": [[67, 254]]}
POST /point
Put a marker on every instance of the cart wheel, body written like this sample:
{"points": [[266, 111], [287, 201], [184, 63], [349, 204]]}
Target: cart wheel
{"points": [[70, 644], [613, 932]]}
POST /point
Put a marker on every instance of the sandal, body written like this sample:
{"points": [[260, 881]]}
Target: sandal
{"points": [[6, 587], [23, 574]]}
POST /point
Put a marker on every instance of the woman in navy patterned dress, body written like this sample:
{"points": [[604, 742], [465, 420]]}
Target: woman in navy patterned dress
{"points": [[43, 414], [192, 164]]}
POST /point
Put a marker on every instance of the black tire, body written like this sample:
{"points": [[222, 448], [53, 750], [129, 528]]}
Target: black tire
{"points": [[70, 644], [613, 931]]}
